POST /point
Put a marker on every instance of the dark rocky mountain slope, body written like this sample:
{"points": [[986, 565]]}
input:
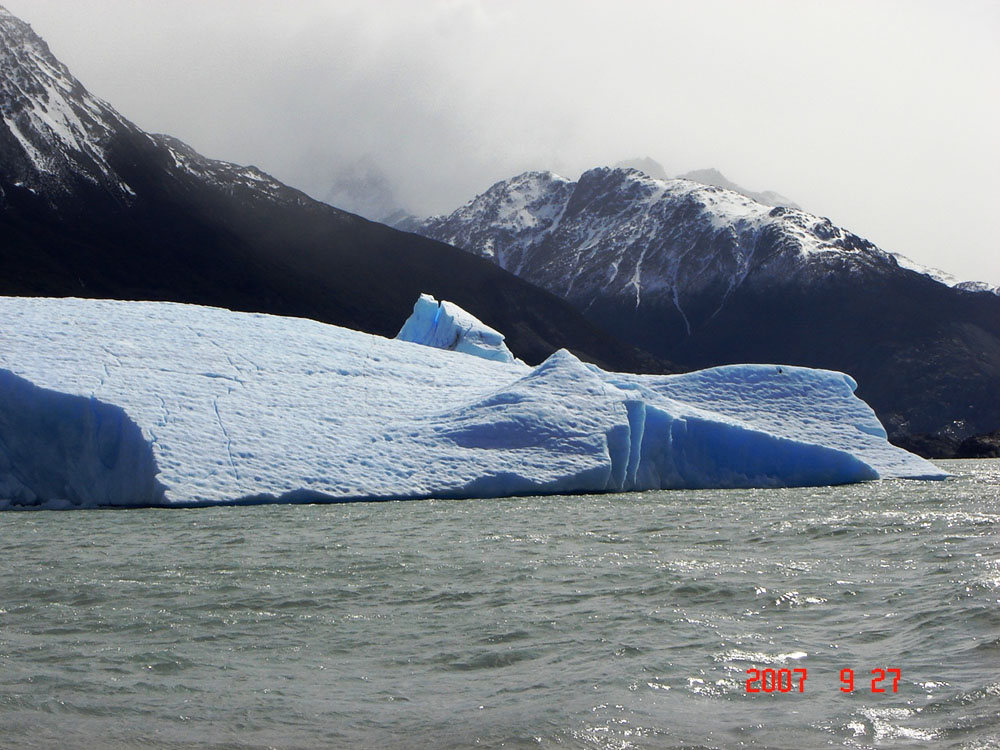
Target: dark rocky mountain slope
{"points": [[90, 205]]}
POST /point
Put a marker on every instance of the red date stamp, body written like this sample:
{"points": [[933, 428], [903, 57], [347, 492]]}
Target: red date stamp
{"points": [[771, 680], [794, 680]]}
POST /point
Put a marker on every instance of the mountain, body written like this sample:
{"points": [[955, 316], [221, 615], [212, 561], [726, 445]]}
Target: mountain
{"points": [[92, 206], [713, 176], [717, 179], [944, 277], [362, 188], [645, 164], [708, 276]]}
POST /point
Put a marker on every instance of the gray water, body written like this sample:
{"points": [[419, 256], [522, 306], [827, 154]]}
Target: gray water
{"points": [[611, 621]]}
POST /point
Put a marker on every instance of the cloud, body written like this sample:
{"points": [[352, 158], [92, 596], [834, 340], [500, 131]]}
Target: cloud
{"points": [[877, 114]]}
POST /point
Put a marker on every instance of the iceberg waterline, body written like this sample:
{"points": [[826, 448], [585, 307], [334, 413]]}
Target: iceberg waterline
{"points": [[212, 406]]}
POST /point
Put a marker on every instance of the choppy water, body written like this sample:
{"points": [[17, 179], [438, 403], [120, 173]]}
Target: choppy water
{"points": [[590, 622]]}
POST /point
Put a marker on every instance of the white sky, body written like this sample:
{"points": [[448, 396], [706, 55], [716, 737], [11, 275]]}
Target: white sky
{"points": [[882, 115]]}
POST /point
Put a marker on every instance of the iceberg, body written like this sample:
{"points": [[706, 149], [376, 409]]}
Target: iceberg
{"points": [[445, 325], [107, 403]]}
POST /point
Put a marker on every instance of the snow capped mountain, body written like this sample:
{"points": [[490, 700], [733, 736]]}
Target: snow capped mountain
{"points": [[90, 205], [57, 137], [621, 234], [506, 220], [54, 131], [706, 276]]}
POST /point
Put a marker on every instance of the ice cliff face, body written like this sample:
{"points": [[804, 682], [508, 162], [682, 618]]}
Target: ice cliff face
{"points": [[59, 449], [444, 325], [139, 403]]}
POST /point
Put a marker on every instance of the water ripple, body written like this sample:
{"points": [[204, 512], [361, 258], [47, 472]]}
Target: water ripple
{"points": [[587, 622]]}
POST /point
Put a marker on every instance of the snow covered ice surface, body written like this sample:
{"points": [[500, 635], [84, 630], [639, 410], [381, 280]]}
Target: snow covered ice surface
{"points": [[445, 325], [96, 396]]}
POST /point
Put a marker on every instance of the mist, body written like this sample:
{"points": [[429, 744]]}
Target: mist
{"points": [[880, 115]]}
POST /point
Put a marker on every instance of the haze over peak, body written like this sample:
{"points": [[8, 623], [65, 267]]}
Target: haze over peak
{"points": [[645, 164], [873, 139], [715, 177], [362, 188], [91, 205], [711, 176]]}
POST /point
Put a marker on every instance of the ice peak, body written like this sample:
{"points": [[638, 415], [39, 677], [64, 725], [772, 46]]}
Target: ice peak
{"points": [[445, 325]]}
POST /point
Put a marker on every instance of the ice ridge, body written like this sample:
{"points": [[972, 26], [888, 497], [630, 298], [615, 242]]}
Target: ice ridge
{"points": [[106, 403], [445, 325]]}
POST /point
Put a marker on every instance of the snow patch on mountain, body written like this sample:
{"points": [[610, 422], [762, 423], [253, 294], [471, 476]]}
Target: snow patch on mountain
{"points": [[519, 210], [54, 130], [944, 277], [620, 234], [228, 176], [250, 407]]}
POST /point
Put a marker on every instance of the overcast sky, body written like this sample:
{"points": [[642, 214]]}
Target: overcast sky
{"points": [[883, 116]]}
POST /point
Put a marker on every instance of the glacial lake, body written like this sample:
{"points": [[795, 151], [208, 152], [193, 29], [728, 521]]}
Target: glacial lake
{"points": [[609, 621]]}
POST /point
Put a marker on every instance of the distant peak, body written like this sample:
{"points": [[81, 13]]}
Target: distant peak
{"points": [[711, 176], [527, 180], [539, 174], [702, 175], [715, 178], [646, 165]]}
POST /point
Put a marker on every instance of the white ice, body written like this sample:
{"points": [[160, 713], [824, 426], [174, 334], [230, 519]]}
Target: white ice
{"points": [[97, 395], [445, 325]]}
